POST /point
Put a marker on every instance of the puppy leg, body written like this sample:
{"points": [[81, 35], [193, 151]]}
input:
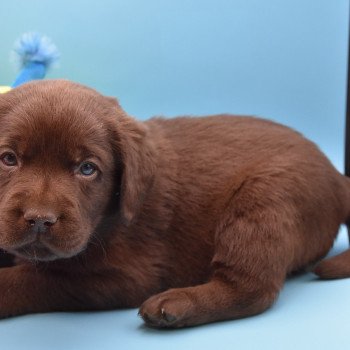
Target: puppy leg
{"points": [[28, 289], [250, 264], [24, 290]]}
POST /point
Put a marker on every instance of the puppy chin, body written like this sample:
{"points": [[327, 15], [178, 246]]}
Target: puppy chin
{"points": [[38, 251]]}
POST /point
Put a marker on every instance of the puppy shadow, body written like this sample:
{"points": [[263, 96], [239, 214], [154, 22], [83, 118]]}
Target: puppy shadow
{"points": [[147, 330]]}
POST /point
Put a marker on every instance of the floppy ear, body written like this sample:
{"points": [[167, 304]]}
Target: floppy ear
{"points": [[137, 150], [139, 161]]}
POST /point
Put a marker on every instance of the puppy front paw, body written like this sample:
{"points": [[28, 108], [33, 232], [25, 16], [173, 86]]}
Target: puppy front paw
{"points": [[170, 309]]}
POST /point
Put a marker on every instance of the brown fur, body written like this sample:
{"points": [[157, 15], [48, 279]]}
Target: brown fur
{"points": [[197, 219]]}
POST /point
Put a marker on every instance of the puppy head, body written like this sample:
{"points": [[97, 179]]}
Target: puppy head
{"points": [[65, 154]]}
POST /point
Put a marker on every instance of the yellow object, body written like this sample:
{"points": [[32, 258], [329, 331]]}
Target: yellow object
{"points": [[4, 89]]}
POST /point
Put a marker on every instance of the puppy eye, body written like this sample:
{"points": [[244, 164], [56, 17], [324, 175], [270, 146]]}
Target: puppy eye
{"points": [[87, 168], [9, 159]]}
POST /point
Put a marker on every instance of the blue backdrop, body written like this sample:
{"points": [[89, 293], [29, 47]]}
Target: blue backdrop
{"points": [[285, 60]]}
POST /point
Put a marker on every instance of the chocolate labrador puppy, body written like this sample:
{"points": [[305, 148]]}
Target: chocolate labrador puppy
{"points": [[195, 219]]}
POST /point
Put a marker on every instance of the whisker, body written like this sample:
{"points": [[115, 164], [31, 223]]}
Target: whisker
{"points": [[97, 241]]}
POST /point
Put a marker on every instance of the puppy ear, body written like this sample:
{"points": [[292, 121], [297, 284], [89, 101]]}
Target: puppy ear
{"points": [[136, 148], [138, 156]]}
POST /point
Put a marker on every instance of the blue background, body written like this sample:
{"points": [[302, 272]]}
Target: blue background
{"points": [[285, 60]]}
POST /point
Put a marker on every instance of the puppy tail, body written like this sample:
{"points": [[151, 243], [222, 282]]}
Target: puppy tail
{"points": [[335, 267]]}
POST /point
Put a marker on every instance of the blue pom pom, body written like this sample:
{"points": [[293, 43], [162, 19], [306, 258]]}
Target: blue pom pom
{"points": [[35, 53], [34, 47]]}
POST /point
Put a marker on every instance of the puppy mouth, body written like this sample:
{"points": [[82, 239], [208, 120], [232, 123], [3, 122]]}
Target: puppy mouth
{"points": [[39, 251], [44, 247], [36, 251]]}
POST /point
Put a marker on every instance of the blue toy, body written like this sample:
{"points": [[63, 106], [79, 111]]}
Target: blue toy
{"points": [[35, 53]]}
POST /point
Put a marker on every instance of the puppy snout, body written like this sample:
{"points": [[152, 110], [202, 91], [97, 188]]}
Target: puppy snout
{"points": [[40, 221]]}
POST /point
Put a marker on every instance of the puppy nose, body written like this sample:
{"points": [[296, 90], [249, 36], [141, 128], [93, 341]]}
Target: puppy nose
{"points": [[40, 221]]}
